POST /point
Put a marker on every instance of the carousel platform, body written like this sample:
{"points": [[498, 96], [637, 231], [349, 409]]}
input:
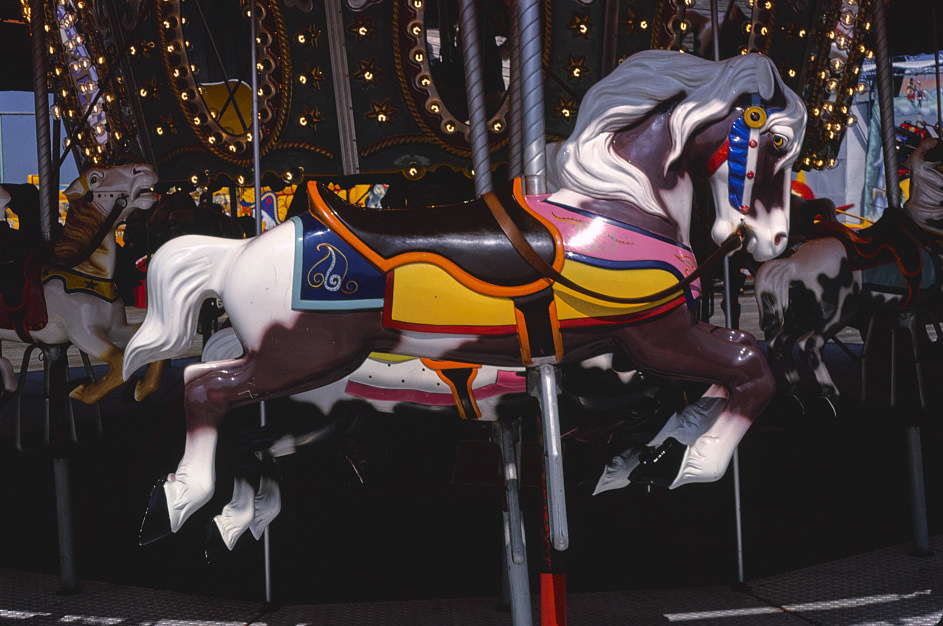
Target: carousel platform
{"points": [[887, 586]]}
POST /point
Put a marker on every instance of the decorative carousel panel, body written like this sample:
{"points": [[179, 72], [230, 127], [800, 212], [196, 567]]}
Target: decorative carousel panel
{"points": [[86, 80], [574, 58]]}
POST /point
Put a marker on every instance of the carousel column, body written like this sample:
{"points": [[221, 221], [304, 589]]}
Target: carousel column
{"points": [[885, 79], [57, 368]]}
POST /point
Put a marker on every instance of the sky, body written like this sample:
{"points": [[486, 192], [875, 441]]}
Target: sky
{"points": [[18, 157]]}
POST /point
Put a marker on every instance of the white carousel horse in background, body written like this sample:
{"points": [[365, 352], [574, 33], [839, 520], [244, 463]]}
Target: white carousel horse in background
{"points": [[807, 298], [618, 227], [82, 306]]}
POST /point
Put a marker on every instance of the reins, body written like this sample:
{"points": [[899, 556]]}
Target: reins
{"points": [[732, 243]]}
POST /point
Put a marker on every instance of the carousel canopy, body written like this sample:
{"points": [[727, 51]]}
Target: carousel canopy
{"points": [[376, 88]]}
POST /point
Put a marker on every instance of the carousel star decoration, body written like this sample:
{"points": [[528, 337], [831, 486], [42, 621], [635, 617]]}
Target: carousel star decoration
{"points": [[368, 71], [310, 35], [381, 112], [580, 26], [565, 108], [311, 116], [577, 68], [362, 27]]}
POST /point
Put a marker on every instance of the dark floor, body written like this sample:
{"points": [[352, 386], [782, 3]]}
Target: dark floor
{"points": [[426, 525]]}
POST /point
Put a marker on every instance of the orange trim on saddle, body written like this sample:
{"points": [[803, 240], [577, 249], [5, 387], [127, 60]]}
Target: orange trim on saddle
{"points": [[321, 211], [463, 397]]}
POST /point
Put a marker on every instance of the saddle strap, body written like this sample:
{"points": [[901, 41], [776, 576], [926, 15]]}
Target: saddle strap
{"points": [[523, 248]]}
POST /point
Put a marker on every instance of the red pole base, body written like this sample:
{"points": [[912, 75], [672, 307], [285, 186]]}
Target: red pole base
{"points": [[552, 599]]}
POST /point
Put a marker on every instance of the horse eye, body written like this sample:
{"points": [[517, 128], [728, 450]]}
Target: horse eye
{"points": [[779, 142]]}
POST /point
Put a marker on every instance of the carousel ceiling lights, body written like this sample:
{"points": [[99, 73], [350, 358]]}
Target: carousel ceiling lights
{"points": [[78, 67], [220, 113], [833, 71]]}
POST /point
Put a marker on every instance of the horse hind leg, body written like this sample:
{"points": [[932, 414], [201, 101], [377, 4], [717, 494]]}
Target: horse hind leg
{"points": [[150, 382], [94, 391], [812, 351]]}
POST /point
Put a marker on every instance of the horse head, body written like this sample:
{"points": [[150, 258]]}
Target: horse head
{"points": [[4, 199], [98, 199], [663, 118]]}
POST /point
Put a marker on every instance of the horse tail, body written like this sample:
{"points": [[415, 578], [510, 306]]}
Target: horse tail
{"points": [[772, 295], [185, 271]]}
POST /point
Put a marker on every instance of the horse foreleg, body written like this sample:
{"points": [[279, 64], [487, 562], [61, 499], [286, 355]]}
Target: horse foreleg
{"points": [[236, 516], [732, 362]]}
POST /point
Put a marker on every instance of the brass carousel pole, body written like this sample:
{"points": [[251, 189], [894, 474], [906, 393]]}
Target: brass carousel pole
{"points": [[56, 366]]}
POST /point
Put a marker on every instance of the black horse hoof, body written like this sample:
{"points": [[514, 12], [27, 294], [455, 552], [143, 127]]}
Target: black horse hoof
{"points": [[156, 522], [660, 466], [214, 548]]}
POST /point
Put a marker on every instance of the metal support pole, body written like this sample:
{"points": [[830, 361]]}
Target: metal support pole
{"points": [[343, 100], [918, 497], [885, 82], [936, 57], [728, 315], [515, 547], [56, 373], [515, 120], [532, 95], [57, 368], [257, 179], [553, 456], [475, 92]]}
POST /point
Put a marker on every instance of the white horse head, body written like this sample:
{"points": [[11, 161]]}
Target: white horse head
{"points": [[699, 93]]}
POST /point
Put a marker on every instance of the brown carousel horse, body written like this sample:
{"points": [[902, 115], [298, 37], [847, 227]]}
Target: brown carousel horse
{"points": [[311, 299]]}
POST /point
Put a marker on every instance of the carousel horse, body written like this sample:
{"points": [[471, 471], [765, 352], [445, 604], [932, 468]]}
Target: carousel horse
{"points": [[71, 297], [839, 277], [613, 270]]}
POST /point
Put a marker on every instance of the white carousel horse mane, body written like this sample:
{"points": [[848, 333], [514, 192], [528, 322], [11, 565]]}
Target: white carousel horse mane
{"points": [[586, 162]]}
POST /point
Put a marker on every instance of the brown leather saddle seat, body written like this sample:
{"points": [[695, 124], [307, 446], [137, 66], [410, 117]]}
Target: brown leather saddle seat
{"points": [[466, 234]]}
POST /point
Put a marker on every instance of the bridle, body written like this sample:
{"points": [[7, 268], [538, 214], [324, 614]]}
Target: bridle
{"points": [[740, 151]]}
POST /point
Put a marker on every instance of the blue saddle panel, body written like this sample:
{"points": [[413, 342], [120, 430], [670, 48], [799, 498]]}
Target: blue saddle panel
{"points": [[888, 277], [329, 274]]}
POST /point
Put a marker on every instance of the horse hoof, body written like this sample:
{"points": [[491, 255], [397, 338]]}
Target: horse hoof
{"points": [[825, 407], [660, 466], [214, 547], [156, 522], [799, 403]]}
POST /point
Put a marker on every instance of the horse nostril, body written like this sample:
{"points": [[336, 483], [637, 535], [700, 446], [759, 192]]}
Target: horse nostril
{"points": [[779, 238]]}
